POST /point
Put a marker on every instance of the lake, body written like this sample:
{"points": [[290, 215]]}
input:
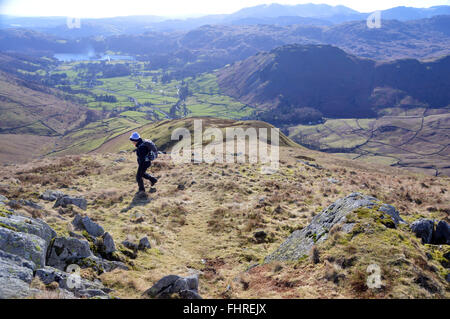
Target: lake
{"points": [[67, 57]]}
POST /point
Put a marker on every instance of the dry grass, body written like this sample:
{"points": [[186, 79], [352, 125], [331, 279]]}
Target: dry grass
{"points": [[209, 226]]}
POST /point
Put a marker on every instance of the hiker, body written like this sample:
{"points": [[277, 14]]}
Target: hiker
{"points": [[146, 152]]}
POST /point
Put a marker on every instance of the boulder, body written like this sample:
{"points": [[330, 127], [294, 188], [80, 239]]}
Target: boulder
{"points": [[27, 246], [65, 251], [29, 226], [16, 274], [91, 227], [300, 242], [175, 286], [130, 245], [79, 286], [51, 195], [423, 228], [161, 286], [144, 243], [29, 203], [101, 265], [108, 243], [65, 200], [442, 234]]}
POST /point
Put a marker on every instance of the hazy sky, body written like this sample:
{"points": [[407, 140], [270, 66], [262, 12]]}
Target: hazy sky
{"points": [[109, 8]]}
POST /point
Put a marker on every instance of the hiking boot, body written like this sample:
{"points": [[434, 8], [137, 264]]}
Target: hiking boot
{"points": [[141, 194], [153, 181]]}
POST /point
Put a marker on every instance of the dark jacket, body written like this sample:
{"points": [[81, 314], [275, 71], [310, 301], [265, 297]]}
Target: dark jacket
{"points": [[142, 152]]}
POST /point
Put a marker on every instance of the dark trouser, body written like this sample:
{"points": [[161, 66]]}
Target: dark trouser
{"points": [[142, 174]]}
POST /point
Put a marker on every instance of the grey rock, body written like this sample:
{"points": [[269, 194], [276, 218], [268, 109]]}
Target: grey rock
{"points": [[77, 222], [300, 242], [12, 288], [66, 251], [423, 228], [161, 285], [29, 203], [22, 262], [189, 294], [49, 274], [108, 243], [101, 265], [65, 200], [16, 274], [192, 282], [92, 228], [14, 267], [144, 243], [130, 245], [29, 226], [3, 199], [392, 212], [51, 195], [442, 234], [185, 287], [75, 235], [27, 246]]}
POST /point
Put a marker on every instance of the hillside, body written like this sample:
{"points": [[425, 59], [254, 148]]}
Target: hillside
{"points": [[160, 132], [32, 114], [417, 139], [295, 76], [222, 221]]}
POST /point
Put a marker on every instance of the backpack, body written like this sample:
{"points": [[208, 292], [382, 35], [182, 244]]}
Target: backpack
{"points": [[152, 150]]}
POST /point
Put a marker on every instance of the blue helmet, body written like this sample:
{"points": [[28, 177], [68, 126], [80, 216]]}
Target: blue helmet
{"points": [[135, 136]]}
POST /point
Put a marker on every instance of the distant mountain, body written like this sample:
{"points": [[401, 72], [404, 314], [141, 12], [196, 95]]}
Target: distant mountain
{"points": [[303, 10], [211, 47], [305, 14], [410, 13], [337, 84]]}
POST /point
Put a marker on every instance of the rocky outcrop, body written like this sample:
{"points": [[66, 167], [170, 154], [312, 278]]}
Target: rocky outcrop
{"points": [[108, 244], [63, 201], [442, 233], [301, 241], [29, 226], [79, 286], [65, 251], [27, 246], [173, 286], [23, 248], [425, 230], [144, 243], [85, 223], [16, 274], [30, 248], [51, 195]]}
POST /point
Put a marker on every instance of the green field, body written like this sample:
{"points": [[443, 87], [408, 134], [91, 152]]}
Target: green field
{"points": [[418, 142]]}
